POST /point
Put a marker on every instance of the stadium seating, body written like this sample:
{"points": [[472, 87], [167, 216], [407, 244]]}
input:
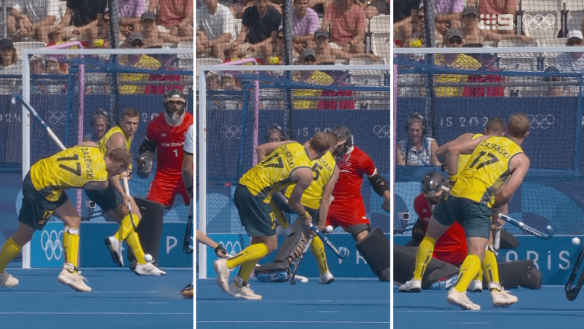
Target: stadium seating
{"points": [[380, 23], [381, 44]]}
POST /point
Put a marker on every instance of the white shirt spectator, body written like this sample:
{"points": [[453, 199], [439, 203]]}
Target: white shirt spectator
{"points": [[37, 10], [566, 63], [416, 157], [215, 25]]}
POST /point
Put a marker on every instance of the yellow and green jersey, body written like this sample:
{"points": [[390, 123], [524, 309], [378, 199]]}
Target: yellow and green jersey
{"points": [[322, 171], [273, 173], [102, 143], [486, 170], [70, 168], [463, 158]]}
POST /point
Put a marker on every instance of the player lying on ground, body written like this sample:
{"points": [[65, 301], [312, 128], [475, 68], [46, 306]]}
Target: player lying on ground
{"points": [[495, 170], [348, 210], [114, 201], [288, 164], [316, 199], [451, 250], [43, 190]]}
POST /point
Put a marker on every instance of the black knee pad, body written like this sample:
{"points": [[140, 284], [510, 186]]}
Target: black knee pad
{"points": [[375, 250], [356, 229]]}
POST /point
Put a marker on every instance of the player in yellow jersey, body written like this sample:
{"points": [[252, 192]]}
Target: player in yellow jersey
{"points": [[316, 199], [495, 169], [43, 190], [113, 200], [287, 164]]}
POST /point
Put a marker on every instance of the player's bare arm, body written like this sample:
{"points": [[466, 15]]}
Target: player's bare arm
{"points": [[204, 239], [92, 144], [518, 167], [326, 199], [443, 149], [265, 149]]}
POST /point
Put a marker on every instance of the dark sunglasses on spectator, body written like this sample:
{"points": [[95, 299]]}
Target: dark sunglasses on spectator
{"points": [[455, 40], [310, 59], [137, 44]]}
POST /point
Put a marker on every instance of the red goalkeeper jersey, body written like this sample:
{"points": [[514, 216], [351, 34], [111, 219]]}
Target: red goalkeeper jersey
{"points": [[451, 247], [348, 187], [169, 146]]}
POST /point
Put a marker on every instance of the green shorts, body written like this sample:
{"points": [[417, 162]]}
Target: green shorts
{"points": [[36, 210], [284, 206], [474, 217], [253, 213], [107, 199]]}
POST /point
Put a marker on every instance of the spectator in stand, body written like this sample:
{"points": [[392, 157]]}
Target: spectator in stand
{"points": [[410, 32], [83, 17], [327, 54], [260, 22], [153, 38], [453, 38], [33, 19], [571, 62], [496, 7], [377, 7], [419, 149], [239, 6], [308, 57], [304, 23], [10, 66], [348, 26], [473, 34], [486, 61], [99, 126], [130, 13], [554, 90], [175, 17], [215, 30], [346, 103], [447, 14], [146, 62]]}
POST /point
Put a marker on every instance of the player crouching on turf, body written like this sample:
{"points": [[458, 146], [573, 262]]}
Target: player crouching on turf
{"points": [[348, 210], [43, 190], [287, 164], [316, 199]]}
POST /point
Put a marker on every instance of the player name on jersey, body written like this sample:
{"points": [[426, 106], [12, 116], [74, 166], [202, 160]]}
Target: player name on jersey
{"points": [[496, 148]]}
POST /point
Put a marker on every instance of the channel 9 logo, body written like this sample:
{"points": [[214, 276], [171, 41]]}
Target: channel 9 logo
{"points": [[503, 22]]}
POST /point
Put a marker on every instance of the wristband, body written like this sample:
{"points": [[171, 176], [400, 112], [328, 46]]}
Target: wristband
{"points": [[305, 216], [452, 179]]}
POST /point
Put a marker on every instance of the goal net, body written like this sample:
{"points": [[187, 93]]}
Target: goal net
{"points": [[457, 90], [237, 104]]}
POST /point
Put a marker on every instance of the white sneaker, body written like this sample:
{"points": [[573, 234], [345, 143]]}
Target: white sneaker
{"points": [[241, 289], [223, 272], [411, 286], [500, 297], [115, 248], [461, 300], [7, 280], [475, 286], [326, 278], [72, 278], [148, 269]]}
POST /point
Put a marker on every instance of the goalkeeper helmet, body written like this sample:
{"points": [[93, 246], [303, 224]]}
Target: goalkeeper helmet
{"points": [[174, 110], [344, 134], [433, 183]]}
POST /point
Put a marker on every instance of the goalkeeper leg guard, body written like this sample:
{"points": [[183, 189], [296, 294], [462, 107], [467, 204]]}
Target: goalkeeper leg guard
{"points": [[150, 228], [375, 249], [71, 245]]}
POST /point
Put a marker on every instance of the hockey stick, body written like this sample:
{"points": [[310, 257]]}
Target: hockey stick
{"points": [[341, 254], [34, 113], [546, 236], [572, 292], [187, 248], [299, 260]]}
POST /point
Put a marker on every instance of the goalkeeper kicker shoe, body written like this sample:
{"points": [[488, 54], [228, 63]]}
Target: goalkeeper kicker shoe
{"points": [[69, 276], [500, 297], [475, 286], [326, 278], [241, 289], [115, 248], [461, 300], [148, 269], [223, 272], [411, 286], [7, 280]]}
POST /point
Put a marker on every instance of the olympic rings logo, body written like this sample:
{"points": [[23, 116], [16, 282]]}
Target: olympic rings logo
{"points": [[51, 244], [541, 121], [55, 117], [232, 248], [231, 131], [539, 21], [382, 131]]}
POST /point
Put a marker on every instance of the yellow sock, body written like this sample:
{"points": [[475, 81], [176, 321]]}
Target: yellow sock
{"points": [[136, 246], [126, 227], [253, 252], [317, 248], [246, 269], [479, 275], [424, 256], [10, 249], [468, 271], [490, 266], [71, 244]]}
